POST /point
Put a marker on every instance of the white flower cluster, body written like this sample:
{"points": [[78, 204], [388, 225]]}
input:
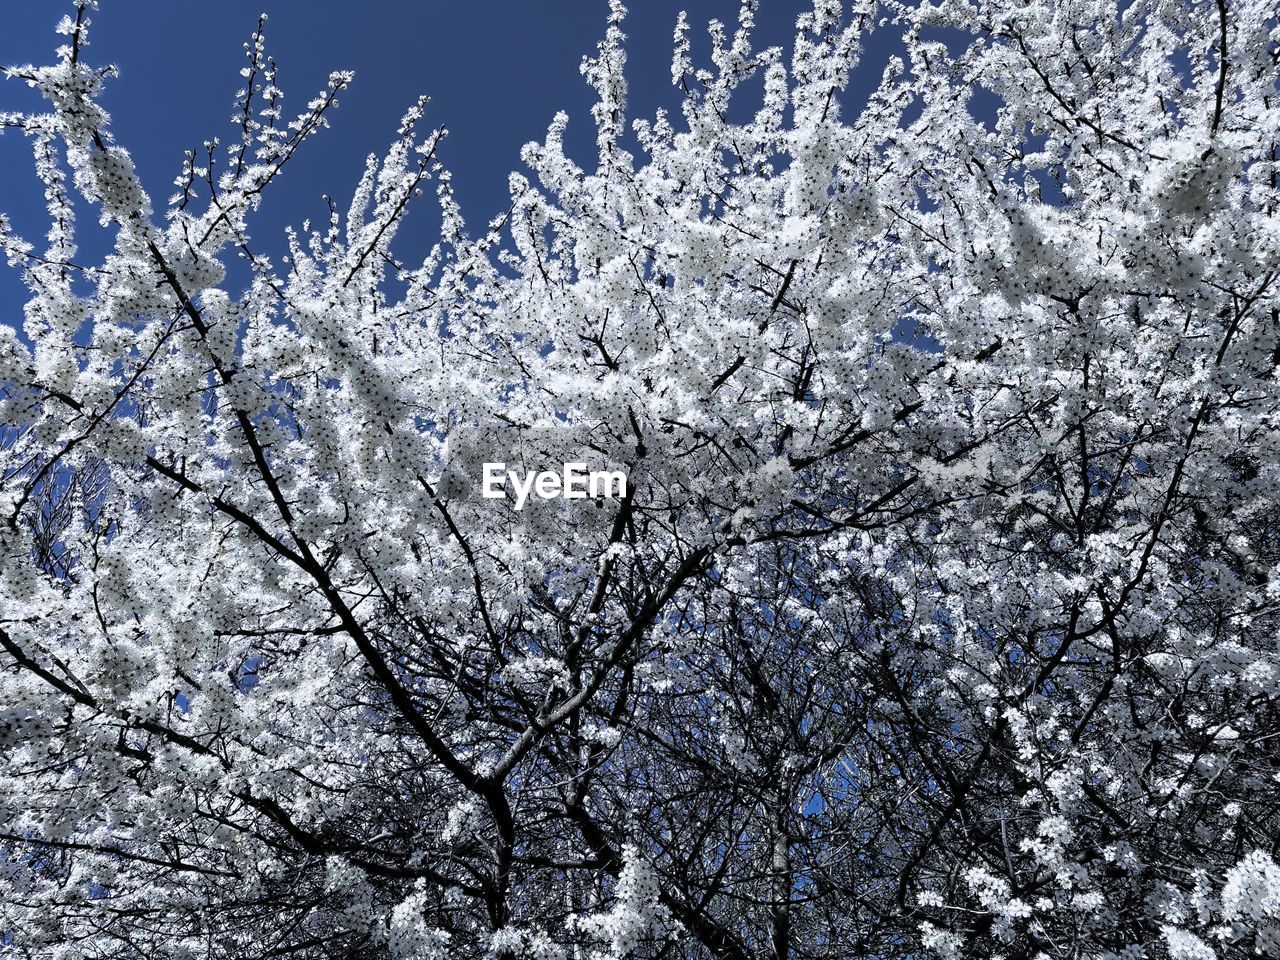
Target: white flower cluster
{"points": [[941, 613], [637, 918]]}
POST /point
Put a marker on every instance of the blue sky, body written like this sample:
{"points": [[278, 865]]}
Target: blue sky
{"points": [[496, 71]]}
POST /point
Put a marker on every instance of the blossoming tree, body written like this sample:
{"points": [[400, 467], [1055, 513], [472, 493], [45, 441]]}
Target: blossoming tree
{"points": [[941, 613]]}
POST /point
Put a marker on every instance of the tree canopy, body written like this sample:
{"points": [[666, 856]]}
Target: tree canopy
{"points": [[940, 617]]}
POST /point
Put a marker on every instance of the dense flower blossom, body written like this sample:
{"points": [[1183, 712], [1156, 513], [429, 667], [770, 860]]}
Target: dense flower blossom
{"points": [[939, 617]]}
